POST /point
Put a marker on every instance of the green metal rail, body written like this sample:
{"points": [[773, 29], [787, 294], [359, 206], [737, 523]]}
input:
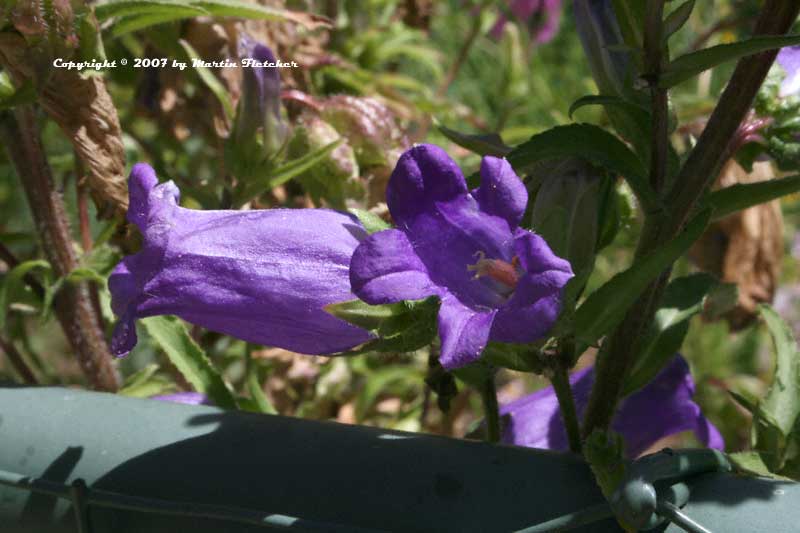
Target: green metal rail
{"points": [[76, 461]]}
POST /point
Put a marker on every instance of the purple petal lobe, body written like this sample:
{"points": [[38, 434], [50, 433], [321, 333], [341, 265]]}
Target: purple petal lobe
{"points": [[464, 333], [789, 59], [661, 408], [501, 192], [263, 276], [424, 174], [385, 268], [535, 255]]}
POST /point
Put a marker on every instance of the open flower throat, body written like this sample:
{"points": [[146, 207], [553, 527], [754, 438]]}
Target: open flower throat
{"points": [[505, 273], [496, 281]]}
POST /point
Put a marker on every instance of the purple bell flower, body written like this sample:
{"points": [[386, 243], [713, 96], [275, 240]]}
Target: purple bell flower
{"points": [[789, 59], [661, 408], [496, 281], [189, 398], [263, 276]]}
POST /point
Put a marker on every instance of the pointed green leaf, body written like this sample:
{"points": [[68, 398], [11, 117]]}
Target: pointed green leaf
{"points": [[481, 144], [189, 358], [140, 8], [592, 143], [689, 65], [14, 281], [281, 175], [371, 222], [130, 24], [606, 306], [364, 315], [683, 298], [783, 399], [741, 196], [260, 399], [678, 18], [211, 81]]}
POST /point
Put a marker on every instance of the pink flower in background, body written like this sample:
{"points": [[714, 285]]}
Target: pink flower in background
{"points": [[542, 18]]}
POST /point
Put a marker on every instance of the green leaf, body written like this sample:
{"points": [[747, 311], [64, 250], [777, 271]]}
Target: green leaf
{"points": [[377, 383], [371, 222], [260, 399], [641, 114], [140, 8], [364, 315], [678, 18], [782, 401], [753, 463], [130, 24], [606, 306], [211, 81], [741, 196], [481, 144], [689, 65], [190, 360], [11, 97], [146, 383], [254, 11], [683, 299], [519, 357], [14, 282], [595, 145], [281, 175]]}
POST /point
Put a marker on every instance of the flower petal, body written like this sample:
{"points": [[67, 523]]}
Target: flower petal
{"points": [[535, 420], [385, 268], [450, 237], [263, 276], [149, 201], [535, 255], [789, 60], [424, 174], [463, 331], [662, 408], [534, 307], [501, 192]]}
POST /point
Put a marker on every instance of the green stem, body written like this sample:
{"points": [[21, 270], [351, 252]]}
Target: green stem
{"points": [[566, 404], [491, 410], [700, 170]]}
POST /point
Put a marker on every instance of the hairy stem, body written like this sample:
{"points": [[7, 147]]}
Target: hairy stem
{"points": [[17, 361], [566, 404], [72, 304], [653, 50], [491, 409], [700, 170]]}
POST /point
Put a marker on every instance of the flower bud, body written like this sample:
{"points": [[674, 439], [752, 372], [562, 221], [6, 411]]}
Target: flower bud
{"points": [[601, 36], [259, 104], [568, 210], [336, 177]]}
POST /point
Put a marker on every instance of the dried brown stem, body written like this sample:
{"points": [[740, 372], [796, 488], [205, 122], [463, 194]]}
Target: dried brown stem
{"points": [[72, 304]]}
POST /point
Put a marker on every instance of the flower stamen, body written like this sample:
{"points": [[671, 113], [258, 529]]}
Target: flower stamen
{"points": [[497, 269]]}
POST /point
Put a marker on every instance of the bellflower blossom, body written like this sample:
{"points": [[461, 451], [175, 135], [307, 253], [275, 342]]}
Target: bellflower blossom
{"points": [[496, 281], [661, 408], [789, 60], [544, 29], [263, 276]]}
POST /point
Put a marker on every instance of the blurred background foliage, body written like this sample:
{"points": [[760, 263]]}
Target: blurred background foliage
{"points": [[409, 67]]}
